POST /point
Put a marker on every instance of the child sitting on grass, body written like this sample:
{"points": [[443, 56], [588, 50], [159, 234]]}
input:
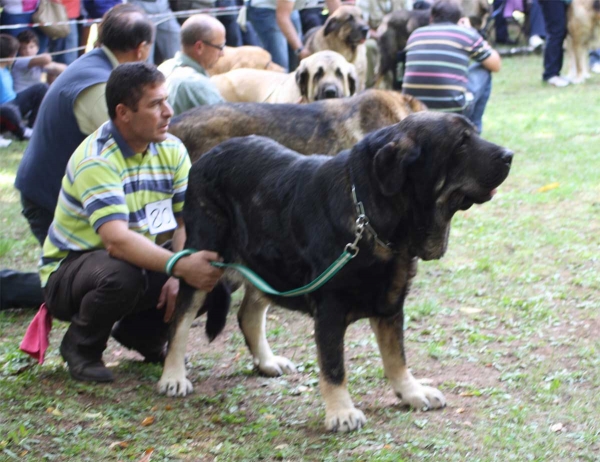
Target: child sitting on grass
{"points": [[15, 105], [27, 70]]}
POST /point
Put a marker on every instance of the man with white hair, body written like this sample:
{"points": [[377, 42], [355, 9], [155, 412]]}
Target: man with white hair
{"points": [[188, 83]]}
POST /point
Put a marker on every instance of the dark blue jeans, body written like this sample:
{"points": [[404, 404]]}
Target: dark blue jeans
{"points": [[555, 18], [29, 100], [480, 85]]}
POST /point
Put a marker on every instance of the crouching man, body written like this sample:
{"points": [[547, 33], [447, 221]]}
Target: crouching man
{"points": [[101, 269]]}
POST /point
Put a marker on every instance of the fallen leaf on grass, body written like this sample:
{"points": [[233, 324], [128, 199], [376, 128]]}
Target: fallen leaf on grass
{"points": [[168, 407], [557, 427], [113, 364], [147, 421], [466, 423], [92, 415], [147, 455], [54, 411], [548, 187], [469, 393], [118, 444], [460, 410]]}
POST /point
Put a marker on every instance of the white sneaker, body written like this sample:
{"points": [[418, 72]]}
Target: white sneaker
{"points": [[27, 133], [4, 143], [557, 81], [596, 68], [535, 42]]}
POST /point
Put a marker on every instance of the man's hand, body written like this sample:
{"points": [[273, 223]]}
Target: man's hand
{"points": [[197, 271], [168, 297], [303, 54]]}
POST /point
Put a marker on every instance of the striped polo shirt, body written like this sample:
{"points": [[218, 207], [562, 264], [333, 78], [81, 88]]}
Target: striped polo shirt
{"points": [[437, 62], [105, 180]]}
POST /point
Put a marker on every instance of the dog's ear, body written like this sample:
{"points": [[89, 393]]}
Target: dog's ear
{"points": [[331, 25], [302, 78], [391, 162], [352, 80]]}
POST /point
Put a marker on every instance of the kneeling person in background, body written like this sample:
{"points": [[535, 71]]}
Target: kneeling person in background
{"points": [[437, 64]]}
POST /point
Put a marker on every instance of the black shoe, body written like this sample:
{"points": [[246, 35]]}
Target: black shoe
{"points": [[154, 354], [81, 368]]}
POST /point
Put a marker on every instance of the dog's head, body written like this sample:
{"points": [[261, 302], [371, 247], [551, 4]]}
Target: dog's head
{"points": [[325, 75], [347, 24], [431, 165]]}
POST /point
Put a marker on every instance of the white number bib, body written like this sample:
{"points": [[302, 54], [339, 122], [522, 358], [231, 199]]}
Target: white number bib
{"points": [[160, 217]]}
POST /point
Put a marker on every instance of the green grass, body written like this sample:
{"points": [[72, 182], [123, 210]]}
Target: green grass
{"points": [[506, 325]]}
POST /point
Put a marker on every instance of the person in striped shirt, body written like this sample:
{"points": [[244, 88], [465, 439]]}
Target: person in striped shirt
{"points": [[101, 268], [437, 69]]}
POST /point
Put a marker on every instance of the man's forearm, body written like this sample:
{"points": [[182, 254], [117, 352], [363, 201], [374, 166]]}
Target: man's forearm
{"points": [[286, 25], [139, 251]]}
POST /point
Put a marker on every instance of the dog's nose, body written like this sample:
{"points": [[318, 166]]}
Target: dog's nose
{"points": [[507, 156], [364, 30], [330, 92]]}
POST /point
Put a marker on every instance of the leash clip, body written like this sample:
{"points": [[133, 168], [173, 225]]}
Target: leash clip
{"points": [[361, 224]]}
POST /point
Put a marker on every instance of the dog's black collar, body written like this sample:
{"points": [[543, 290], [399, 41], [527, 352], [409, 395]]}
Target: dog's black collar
{"points": [[364, 220]]}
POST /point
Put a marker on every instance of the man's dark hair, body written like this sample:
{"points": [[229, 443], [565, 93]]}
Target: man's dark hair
{"points": [[446, 11], [126, 85], [124, 27], [8, 46], [28, 36]]}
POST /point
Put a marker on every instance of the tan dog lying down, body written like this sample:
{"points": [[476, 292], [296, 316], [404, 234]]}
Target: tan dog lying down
{"points": [[320, 76], [246, 57]]}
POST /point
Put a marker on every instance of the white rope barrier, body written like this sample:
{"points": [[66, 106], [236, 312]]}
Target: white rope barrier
{"points": [[220, 11]]}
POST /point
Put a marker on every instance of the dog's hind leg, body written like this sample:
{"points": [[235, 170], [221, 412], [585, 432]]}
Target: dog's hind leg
{"points": [[330, 327], [252, 318], [390, 338], [174, 381]]}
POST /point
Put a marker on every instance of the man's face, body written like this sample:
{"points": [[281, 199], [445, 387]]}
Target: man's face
{"points": [[151, 120], [28, 49], [212, 50]]}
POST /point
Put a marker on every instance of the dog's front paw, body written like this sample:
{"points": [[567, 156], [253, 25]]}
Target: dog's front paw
{"points": [[344, 420], [276, 366], [421, 397], [174, 385]]}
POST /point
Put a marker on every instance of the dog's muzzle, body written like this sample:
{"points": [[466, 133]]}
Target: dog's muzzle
{"points": [[328, 92]]}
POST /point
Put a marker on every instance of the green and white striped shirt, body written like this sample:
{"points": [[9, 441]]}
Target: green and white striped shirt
{"points": [[104, 181]]}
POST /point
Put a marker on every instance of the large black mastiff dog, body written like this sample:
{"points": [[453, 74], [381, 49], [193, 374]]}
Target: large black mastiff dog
{"points": [[288, 217]]}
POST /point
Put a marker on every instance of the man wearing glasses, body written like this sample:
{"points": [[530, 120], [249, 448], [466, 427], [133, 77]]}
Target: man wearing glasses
{"points": [[188, 84]]}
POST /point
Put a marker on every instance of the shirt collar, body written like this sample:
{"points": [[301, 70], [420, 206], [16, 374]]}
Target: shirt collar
{"points": [[125, 149], [185, 60], [111, 57]]}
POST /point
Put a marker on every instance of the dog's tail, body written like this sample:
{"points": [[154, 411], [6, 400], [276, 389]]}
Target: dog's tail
{"points": [[216, 305]]}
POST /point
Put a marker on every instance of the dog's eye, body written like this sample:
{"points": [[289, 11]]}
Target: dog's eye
{"points": [[338, 73]]}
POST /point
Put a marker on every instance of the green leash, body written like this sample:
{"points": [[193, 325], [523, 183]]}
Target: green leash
{"points": [[350, 251]]}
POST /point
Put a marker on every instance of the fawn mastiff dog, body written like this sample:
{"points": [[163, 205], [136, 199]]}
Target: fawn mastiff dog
{"points": [[583, 25], [344, 32], [323, 75], [388, 201], [245, 57]]}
